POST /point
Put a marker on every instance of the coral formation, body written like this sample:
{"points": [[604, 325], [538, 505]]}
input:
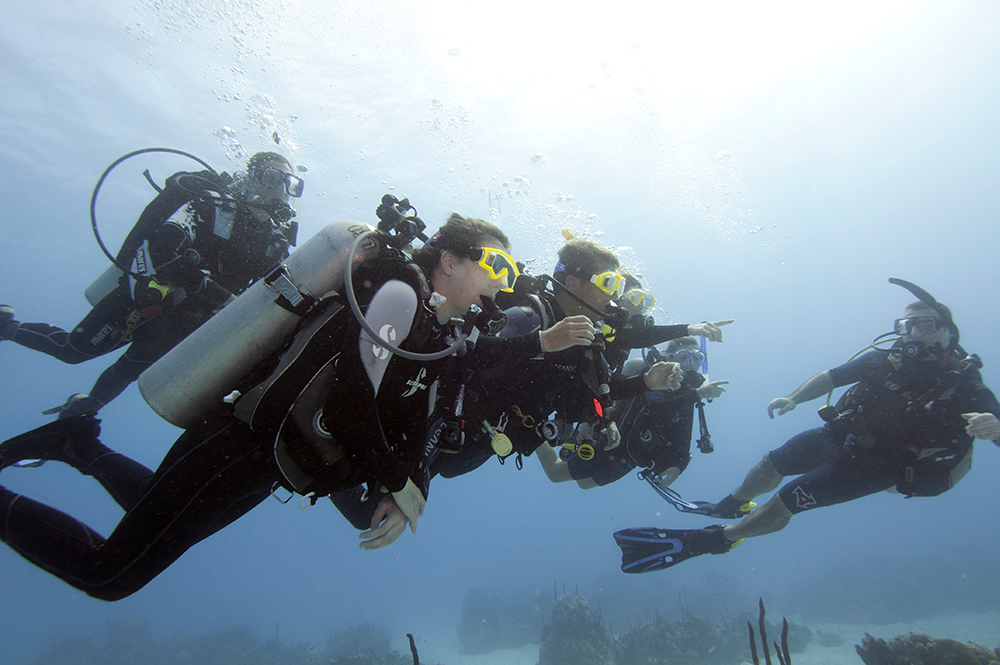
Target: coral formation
{"points": [[576, 635], [363, 640], [921, 649], [691, 640], [129, 643]]}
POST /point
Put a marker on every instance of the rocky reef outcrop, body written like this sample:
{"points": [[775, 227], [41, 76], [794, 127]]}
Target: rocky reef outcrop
{"points": [[921, 649]]}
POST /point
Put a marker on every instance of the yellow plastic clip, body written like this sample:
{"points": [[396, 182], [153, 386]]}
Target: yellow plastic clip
{"points": [[527, 421], [162, 288]]}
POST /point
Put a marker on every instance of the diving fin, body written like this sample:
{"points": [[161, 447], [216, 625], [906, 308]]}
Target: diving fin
{"points": [[647, 549]]}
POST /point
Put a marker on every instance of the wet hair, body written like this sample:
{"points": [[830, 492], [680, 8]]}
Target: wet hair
{"points": [[261, 158], [582, 258], [458, 236]]}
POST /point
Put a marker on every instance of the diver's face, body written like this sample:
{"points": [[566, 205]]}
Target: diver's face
{"points": [[466, 283], [256, 189], [588, 291], [688, 355], [924, 325]]}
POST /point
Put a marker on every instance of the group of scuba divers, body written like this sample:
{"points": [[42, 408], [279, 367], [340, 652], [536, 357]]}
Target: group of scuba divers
{"points": [[359, 366]]}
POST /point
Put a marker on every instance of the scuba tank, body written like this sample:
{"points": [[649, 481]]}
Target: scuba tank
{"points": [[107, 282], [198, 373]]}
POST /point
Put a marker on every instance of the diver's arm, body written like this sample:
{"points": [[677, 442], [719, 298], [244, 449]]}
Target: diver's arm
{"points": [[555, 469], [661, 376], [572, 331], [640, 338], [817, 386]]}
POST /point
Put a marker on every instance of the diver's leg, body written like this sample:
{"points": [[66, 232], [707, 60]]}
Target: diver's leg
{"points": [[102, 331], [210, 478], [761, 478], [838, 481], [74, 441], [803, 452], [772, 516]]}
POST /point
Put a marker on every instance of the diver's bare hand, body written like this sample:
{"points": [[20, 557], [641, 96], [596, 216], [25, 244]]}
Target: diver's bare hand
{"points": [[710, 329], [664, 376], [712, 390], [982, 426], [571, 331], [780, 404], [388, 524]]}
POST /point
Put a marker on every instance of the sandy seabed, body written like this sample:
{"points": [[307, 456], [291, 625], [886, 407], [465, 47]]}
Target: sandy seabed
{"points": [[983, 629]]}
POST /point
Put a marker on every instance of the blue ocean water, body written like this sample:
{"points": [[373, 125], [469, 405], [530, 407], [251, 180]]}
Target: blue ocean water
{"points": [[774, 164]]}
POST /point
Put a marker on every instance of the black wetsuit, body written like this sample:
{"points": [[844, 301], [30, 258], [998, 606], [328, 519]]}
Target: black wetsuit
{"points": [[222, 468], [885, 438], [182, 237], [655, 431], [515, 387], [521, 393]]}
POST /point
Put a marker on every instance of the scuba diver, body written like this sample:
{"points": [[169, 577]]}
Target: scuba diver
{"points": [[907, 425], [507, 408], [547, 358], [204, 239], [344, 402], [655, 428]]}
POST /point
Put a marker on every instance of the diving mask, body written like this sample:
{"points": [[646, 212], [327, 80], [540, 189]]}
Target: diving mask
{"points": [[689, 360], [925, 325], [640, 298], [272, 178], [610, 283], [498, 264]]}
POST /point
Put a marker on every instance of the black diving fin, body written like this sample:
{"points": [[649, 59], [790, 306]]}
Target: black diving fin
{"points": [[647, 549]]}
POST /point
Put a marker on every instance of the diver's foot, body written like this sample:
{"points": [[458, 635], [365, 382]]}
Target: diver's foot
{"points": [[710, 540], [7, 322], [729, 508], [56, 441], [78, 404]]}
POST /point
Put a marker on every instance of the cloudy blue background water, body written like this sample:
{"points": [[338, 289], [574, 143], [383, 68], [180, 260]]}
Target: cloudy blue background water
{"points": [[770, 162]]}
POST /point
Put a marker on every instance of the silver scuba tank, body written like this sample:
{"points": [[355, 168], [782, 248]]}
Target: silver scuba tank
{"points": [[198, 373], [103, 285]]}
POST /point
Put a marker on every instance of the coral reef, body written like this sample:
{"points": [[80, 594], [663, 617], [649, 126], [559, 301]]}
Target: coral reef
{"points": [[129, 643], [921, 649], [489, 623], [576, 635], [691, 640], [363, 640], [781, 651]]}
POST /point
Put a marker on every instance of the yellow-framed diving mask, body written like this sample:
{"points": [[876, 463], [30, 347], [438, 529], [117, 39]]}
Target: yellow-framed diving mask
{"points": [[610, 283], [640, 298], [498, 264]]}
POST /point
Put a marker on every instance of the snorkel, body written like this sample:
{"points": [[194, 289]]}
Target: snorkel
{"points": [[917, 350]]}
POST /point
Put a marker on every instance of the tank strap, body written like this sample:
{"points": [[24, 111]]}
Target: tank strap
{"points": [[292, 297]]}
